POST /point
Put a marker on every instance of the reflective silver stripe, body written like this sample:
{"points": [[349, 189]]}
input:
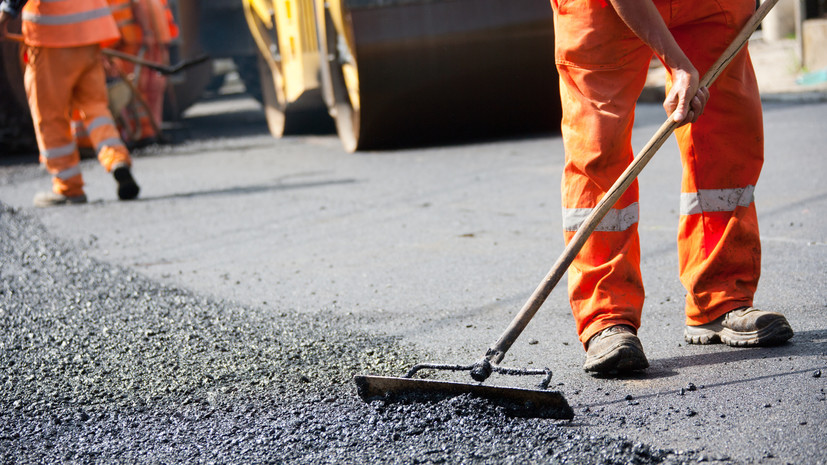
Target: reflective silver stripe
{"points": [[69, 173], [57, 152], [98, 122], [716, 200], [615, 220], [56, 20], [111, 142]]}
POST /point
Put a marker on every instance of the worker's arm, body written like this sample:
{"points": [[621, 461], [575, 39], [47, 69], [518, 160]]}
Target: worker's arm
{"points": [[686, 100], [9, 9]]}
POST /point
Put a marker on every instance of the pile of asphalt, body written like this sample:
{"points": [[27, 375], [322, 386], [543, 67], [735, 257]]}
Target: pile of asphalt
{"points": [[100, 364]]}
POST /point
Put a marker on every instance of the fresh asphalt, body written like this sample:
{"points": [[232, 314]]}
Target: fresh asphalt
{"points": [[261, 274]]}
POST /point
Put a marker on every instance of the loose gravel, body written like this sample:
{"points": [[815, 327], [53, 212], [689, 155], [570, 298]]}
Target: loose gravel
{"points": [[101, 365]]}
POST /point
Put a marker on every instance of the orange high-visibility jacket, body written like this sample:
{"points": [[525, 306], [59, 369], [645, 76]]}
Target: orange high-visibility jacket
{"points": [[68, 23]]}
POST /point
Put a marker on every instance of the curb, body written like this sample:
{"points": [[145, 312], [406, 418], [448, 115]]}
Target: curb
{"points": [[656, 94], [808, 96]]}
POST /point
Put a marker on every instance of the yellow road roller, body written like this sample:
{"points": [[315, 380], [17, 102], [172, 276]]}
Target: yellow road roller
{"points": [[396, 73]]}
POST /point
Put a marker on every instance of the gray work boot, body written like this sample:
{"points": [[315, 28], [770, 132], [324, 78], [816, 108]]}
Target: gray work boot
{"points": [[51, 199], [127, 187], [616, 349], [742, 327]]}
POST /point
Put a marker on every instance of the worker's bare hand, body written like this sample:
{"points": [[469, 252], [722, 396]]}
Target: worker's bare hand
{"points": [[686, 100]]}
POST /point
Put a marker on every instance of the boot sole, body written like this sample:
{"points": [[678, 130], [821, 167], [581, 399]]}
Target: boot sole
{"points": [[775, 333]]}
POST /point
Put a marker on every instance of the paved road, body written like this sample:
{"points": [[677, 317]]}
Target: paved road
{"points": [[440, 246]]}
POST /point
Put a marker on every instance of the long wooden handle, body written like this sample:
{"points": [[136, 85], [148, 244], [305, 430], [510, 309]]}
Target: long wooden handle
{"points": [[496, 352], [161, 68]]}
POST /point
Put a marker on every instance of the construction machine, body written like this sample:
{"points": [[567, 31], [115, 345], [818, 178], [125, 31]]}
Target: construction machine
{"points": [[215, 28], [396, 73]]}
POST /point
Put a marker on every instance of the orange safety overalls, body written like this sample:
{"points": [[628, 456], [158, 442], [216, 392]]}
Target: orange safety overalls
{"points": [[603, 67], [64, 71]]}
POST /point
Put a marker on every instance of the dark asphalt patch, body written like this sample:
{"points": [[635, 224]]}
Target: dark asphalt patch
{"points": [[100, 364]]}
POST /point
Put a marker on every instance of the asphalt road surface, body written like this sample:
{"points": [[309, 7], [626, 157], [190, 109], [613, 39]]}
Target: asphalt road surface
{"points": [[220, 317]]}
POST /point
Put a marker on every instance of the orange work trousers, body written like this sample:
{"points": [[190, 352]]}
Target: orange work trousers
{"points": [[603, 66], [58, 80]]}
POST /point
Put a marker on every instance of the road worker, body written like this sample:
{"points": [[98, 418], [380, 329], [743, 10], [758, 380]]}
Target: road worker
{"points": [[63, 40], [603, 50], [147, 29]]}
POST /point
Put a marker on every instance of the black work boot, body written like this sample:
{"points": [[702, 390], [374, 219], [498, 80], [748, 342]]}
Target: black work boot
{"points": [[742, 327], [616, 349], [127, 187]]}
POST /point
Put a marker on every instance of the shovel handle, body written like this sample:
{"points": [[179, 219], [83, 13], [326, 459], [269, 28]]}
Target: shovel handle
{"points": [[496, 352], [163, 69]]}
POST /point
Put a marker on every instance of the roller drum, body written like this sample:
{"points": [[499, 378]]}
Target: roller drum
{"points": [[436, 71]]}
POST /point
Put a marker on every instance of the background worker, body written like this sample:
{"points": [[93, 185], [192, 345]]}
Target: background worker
{"points": [[147, 29], [603, 49], [64, 71]]}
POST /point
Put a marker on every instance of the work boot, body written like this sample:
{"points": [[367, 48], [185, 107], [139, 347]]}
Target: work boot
{"points": [[127, 187], [742, 327], [615, 349], [51, 199]]}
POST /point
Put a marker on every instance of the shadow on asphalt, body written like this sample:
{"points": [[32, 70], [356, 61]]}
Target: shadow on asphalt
{"points": [[246, 190], [804, 343], [674, 392]]}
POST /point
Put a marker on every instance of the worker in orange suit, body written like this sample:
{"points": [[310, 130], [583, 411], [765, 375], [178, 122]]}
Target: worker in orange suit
{"points": [[63, 71], [147, 29], [603, 49]]}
